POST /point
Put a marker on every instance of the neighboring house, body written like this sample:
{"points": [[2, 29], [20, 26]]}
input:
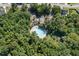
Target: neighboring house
{"points": [[19, 5], [1, 11], [4, 8]]}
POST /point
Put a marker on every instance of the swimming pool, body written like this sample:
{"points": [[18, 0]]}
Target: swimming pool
{"points": [[39, 32]]}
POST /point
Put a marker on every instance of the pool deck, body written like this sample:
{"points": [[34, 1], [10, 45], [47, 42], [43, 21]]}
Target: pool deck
{"points": [[33, 29]]}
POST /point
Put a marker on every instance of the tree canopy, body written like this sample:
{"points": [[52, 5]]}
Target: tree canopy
{"points": [[62, 34]]}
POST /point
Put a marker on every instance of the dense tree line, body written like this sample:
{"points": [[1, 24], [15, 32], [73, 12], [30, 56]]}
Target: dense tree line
{"points": [[41, 9], [15, 40]]}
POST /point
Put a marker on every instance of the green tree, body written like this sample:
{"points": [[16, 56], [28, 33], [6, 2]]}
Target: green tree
{"points": [[56, 10], [13, 8], [24, 7], [41, 9]]}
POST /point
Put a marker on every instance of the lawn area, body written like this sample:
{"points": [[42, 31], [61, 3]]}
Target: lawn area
{"points": [[71, 10], [66, 8]]}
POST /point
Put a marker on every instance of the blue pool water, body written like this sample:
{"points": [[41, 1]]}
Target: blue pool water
{"points": [[40, 33]]}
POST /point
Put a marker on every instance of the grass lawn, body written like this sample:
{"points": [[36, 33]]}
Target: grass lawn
{"points": [[66, 8], [71, 10]]}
